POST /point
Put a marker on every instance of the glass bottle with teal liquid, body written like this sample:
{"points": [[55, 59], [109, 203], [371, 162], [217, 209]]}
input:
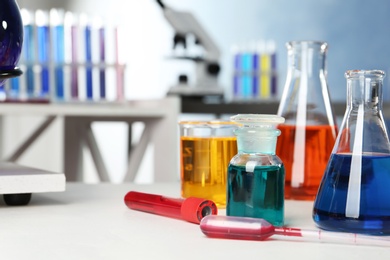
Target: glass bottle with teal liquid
{"points": [[255, 185]]}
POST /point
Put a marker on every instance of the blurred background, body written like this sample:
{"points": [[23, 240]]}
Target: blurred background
{"points": [[357, 33]]}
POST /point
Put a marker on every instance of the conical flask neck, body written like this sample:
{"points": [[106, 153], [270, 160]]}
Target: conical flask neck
{"points": [[363, 128], [364, 88], [307, 59], [305, 99]]}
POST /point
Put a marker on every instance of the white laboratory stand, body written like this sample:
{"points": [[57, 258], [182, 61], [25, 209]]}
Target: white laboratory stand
{"points": [[16, 178], [159, 116]]}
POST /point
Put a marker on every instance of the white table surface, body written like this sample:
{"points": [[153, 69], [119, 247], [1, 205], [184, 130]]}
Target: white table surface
{"points": [[91, 221]]}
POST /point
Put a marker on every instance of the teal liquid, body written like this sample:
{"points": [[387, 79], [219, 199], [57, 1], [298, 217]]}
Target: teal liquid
{"points": [[257, 194]]}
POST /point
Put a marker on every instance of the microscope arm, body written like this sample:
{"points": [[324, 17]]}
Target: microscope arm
{"points": [[185, 23]]}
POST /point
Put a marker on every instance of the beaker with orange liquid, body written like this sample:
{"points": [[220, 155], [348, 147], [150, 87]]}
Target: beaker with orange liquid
{"points": [[310, 130], [206, 148]]}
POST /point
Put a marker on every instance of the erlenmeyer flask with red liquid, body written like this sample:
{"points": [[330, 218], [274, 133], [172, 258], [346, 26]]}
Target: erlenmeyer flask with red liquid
{"points": [[310, 130]]}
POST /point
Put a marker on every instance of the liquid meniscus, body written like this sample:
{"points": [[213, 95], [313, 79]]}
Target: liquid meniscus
{"points": [[204, 163], [315, 153], [257, 194], [330, 204]]}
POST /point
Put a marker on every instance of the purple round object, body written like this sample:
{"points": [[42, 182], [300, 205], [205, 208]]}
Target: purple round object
{"points": [[11, 34]]}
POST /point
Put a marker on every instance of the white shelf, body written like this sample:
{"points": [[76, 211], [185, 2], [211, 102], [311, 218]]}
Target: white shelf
{"points": [[20, 179], [144, 108], [159, 116]]}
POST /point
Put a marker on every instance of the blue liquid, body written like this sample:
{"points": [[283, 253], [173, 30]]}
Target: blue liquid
{"points": [[29, 57], [274, 78], [258, 194], [14, 92], [43, 57], [246, 79], [255, 82], [45, 82], [59, 76], [88, 52], [59, 58], [329, 206], [30, 81], [236, 78]]}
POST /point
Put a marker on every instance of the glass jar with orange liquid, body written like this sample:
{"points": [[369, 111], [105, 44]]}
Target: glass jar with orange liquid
{"points": [[206, 148], [310, 130]]}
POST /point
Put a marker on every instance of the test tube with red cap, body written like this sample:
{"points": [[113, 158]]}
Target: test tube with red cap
{"points": [[191, 209]]}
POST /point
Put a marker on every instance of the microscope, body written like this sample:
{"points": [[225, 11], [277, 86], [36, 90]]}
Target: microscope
{"points": [[207, 65]]}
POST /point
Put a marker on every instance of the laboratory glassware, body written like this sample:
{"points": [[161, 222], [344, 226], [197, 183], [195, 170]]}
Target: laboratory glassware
{"points": [[11, 41], [255, 186], [309, 132], [244, 228], [354, 192], [190, 209], [206, 148]]}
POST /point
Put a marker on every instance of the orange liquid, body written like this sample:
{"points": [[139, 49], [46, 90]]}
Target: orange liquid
{"points": [[203, 167], [314, 154]]}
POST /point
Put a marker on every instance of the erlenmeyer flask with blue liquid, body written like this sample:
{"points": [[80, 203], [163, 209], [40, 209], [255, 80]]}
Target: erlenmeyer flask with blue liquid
{"points": [[354, 192]]}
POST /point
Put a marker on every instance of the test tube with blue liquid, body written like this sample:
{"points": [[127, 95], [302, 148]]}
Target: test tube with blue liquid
{"points": [[255, 73], [246, 68], [57, 26], [80, 59], [274, 75], [67, 64], [88, 56], [28, 52], [43, 38]]}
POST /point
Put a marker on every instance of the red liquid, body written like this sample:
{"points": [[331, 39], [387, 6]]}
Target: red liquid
{"points": [[319, 142], [191, 209]]}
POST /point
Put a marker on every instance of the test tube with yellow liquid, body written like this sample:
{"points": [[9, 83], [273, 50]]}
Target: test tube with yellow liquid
{"points": [[206, 148]]}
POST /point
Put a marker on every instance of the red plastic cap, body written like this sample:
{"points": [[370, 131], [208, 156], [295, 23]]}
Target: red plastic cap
{"points": [[194, 209]]}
